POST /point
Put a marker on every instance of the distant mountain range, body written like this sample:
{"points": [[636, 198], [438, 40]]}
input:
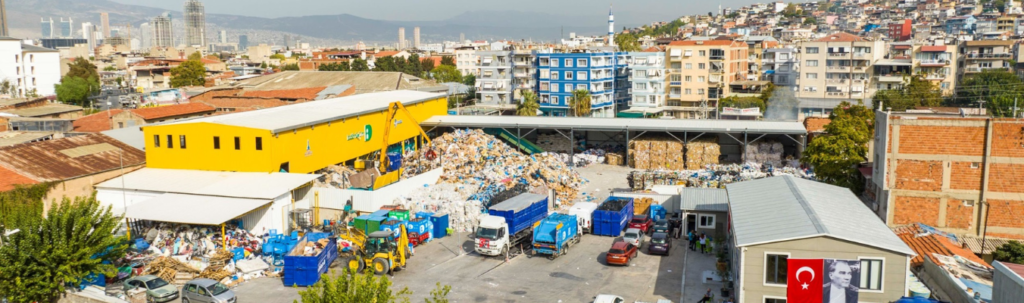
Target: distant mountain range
{"points": [[514, 25]]}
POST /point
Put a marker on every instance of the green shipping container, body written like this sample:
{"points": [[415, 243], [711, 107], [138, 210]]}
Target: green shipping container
{"points": [[361, 222], [399, 214], [373, 224]]}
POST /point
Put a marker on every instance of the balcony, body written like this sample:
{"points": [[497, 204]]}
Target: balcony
{"points": [[980, 69], [767, 60], [934, 62], [717, 57], [862, 55], [889, 79], [837, 94], [675, 83], [837, 68], [675, 95], [935, 76], [715, 79], [839, 55], [989, 56], [835, 81]]}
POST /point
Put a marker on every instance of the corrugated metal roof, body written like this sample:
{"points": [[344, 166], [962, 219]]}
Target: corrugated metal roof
{"points": [[613, 124], [289, 117], [991, 243], [178, 208], [787, 208], [704, 199], [209, 183], [1011, 270], [45, 110], [46, 160]]}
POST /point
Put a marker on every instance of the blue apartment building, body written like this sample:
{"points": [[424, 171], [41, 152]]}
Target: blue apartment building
{"points": [[604, 74]]}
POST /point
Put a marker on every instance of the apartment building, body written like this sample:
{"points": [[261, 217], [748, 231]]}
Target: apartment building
{"points": [[524, 71], [466, 61], [700, 73], [494, 80], [781, 66], [836, 68], [959, 174], [977, 56], [937, 64], [647, 78], [559, 74], [29, 68]]}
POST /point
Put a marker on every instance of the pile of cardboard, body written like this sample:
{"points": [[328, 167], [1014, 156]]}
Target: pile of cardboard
{"points": [[656, 154], [765, 152], [613, 158], [555, 143], [702, 152]]}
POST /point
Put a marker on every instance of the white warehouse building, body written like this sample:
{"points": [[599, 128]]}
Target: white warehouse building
{"points": [[29, 67]]}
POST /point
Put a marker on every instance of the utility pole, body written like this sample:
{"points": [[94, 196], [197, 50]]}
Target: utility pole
{"points": [[1015, 107]]}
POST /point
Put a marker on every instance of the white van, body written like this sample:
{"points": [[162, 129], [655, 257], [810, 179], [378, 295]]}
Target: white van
{"points": [[584, 212]]}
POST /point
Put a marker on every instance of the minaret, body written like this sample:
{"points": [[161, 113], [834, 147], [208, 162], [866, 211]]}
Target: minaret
{"points": [[611, 26]]}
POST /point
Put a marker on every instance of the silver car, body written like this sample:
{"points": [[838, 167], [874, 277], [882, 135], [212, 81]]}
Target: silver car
{"points": [[206, 291], [634, 236]]}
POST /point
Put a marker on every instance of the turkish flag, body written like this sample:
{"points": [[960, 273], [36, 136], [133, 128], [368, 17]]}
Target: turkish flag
{"points": [[804, 280]]}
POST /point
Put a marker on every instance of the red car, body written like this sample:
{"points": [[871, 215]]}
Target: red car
{"points": [[621, 253], [641, 222]]}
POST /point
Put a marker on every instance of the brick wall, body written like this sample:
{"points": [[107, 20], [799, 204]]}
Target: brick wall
{"points": [[958, 215], [1008, 140], [942, 140], [963, 176], [915, 209], [919, 175], [1005, 177], [1006, 213]]}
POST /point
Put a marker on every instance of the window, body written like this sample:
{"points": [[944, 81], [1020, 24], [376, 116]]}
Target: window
{"points": [[689, 91], [259, 143], [554, 99], [640, 85], [707, 221], [812, 63], [581, 87], [775, 269], [702, 53], [568, 88], [568, 62], [871, 274], [581, 75], [700, 65], [156, 140], [554, 88], [688, 53], [568, 75], [17, 70], [238, 143], [774, 300], [32, 58], [33, 70], [812, 50], [554, 75], [812, 75], [689, 66], [674, 77], [975, 164], [181, 138], [120, 124], [700, 78], [216, 142], [544, 73], [700, 91], [543, 86], [581, 62], [170, 141], [544, 61], [689, 78], [15, 58], [554, 63]]}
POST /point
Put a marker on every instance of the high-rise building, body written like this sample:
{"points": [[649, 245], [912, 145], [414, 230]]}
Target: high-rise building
{"points": [[416, 37], [462, 37], [401, 38], [89, 34], [145, 36], [47, 27], [223, 36], [105, 23], [701, 73], [66, 29], [600, 73], [840, 67], [162, 33], [243, 42], [3, 18], [195, 23], [287, 40]]}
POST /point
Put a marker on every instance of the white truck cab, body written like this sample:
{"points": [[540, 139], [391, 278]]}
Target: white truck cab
{"points": [[584, 212], [491, 236]]}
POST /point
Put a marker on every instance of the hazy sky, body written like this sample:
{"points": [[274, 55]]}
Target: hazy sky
{"points": [[416, 10]]}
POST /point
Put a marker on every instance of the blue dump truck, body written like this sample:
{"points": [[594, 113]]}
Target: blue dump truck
{"points": [[509, 224], [553, 235], [611, 217]]}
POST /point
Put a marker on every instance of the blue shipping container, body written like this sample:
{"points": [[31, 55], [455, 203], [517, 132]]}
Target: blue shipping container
{"points": [[423, 214], [380, 213], [394, 161], [658, 212], [440, 222], [305, 271], [520, 212], [612, 216]]}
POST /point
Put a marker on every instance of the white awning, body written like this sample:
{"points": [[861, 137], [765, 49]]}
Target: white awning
{"points": [[193, 209], [675, 52]]}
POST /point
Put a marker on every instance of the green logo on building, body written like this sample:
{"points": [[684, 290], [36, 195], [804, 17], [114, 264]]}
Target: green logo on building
{"points": [[367, 133]]}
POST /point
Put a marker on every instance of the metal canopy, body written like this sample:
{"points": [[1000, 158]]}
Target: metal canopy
{"points": [[193, 209], [613, 124]]}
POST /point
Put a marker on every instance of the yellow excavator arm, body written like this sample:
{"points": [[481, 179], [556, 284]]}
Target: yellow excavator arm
{"points": [[393, 110]]}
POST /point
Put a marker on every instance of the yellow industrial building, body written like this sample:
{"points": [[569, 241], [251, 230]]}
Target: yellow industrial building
{"points": [[299, 138]]}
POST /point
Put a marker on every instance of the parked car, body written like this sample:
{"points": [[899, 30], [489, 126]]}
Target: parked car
{"points": [[662, 226], [608, 299], [621, 253], [206, 291], [641, 222], [633, 236], [661, 244], [157, 290]]}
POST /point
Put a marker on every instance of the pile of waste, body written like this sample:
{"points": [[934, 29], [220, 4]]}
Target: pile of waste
{"points": [[555, 143], [478, 160], [767, 152], [712, 175], [581, 159], [656, 153], [185, 240], [336, 176], [446, 198]]}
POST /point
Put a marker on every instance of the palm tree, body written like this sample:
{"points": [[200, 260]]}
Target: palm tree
{"points": [[580, 103], [529, 105]]}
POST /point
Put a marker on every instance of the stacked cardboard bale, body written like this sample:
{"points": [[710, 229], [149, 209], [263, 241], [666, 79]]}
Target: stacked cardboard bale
{"points": [[614, 158], [765, 152], [656, 154], [701, 152], [555, 143]]}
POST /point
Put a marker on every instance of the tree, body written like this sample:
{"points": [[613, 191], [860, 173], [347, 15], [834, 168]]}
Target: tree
{"points": [[6, 88], [413, 68], [119, 80], [998, 88], [469, 79], [197, 56], [359, 65], [791, 10], [74, 90], [1012, 252], [109, 68], [741, 102], [293, 66], [82, 68], [352, 287], [835, 155], [263, 65], [188, 73], [427, 66], [627, 43], [579, 103], [439, 294], [278, 57], [446, 73], [528, 106], [810, 21], [339, 66], [70, 242], [917, 92], [32, 94], [448, 60]]}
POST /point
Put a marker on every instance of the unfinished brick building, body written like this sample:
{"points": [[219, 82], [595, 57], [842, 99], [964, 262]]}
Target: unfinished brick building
{"points": [[955, 173]]}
